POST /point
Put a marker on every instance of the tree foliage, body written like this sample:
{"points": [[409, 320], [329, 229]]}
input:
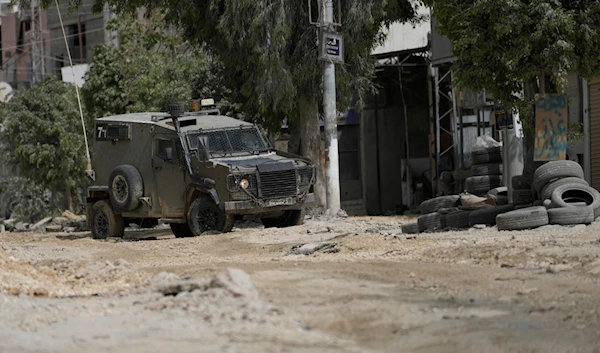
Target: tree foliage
{"points": [[505, 45], [268, 49], [152, 66], [43, 135]]}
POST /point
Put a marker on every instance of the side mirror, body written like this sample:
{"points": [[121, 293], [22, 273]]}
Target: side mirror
{"points": [[169, 154], [203, 148]]}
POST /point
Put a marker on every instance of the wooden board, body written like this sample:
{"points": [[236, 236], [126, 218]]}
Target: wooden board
{"points": [[551, 119]]}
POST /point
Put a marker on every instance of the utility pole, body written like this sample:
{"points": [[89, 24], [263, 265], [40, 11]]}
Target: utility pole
{"points": [[36, 40], [329, 108]]}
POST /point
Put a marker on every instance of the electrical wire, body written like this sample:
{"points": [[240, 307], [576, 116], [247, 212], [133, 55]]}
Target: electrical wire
{"points": [[55, 39]]}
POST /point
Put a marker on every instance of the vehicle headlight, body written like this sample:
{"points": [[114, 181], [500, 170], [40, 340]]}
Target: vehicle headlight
{"points": [[244, 183]]}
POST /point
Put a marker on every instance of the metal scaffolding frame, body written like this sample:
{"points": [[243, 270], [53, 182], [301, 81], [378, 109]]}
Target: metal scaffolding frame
{"points": [[443, 80]]}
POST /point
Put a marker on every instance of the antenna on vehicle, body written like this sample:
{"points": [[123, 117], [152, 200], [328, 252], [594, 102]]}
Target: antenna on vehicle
{"points": [[88, 170]]}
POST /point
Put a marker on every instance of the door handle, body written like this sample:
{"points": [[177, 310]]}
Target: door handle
{"points": [[158, 167]]}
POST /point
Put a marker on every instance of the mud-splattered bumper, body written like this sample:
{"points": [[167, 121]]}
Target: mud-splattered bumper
{"points": [[251, 207]]}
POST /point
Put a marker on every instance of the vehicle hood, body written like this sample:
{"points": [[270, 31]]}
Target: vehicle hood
{"points": [[255, 161]]}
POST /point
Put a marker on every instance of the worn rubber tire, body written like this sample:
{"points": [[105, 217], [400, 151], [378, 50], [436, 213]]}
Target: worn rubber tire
{"points": [[519, 182], [565, 195], [435, 204], [499, 195], [555, 170], [549, 188], [443, 212], [181, 230], [105, 222], [486, 169], [525, 218], [487, 216], [488, 155], [204, 215], [410, 228], [480, 185], [429, 222], [522, 197], [458, 219], [125, 188], [287, 219], [571, 215]]}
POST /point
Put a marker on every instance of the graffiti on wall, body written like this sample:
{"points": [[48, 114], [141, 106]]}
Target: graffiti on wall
{"points": [[551, 117]]}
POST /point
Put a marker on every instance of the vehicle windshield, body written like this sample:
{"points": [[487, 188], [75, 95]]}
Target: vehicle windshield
{"points": [[246, 140]]}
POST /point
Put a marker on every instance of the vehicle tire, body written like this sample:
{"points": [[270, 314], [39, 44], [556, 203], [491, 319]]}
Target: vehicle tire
{"points": [[487, 216], [105, 222], [458, 219], [555, 170], [549, 188], [519, 182], [487, 155], [571, 215], [486, 169], [566, 195], [204, 215], [525, 218], [435, 204], [410, 228], [181, 230], [480, 185], [125, 188], [522, 197], [499, 195], [287, 219], [429, 222]]}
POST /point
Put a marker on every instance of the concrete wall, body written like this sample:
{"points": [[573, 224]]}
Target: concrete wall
{"points": [[93, 33]]}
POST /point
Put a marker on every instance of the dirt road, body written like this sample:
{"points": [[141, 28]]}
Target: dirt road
{"points": [[369, 289]]}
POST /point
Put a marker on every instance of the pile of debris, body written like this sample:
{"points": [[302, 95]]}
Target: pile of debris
{"points": [[68, 222]]}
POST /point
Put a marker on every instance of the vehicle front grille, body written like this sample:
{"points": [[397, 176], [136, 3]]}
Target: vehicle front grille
{"points": [[280, 183]]}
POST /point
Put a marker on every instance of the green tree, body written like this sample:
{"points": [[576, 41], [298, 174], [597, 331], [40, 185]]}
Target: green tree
{"points": [[269, 54], [43, 136], [152, 66], [509, 47]]}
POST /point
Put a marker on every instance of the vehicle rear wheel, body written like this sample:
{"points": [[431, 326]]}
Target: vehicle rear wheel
{"points": [[287, 219], [181, 230], [205, 215], [104, 222]]}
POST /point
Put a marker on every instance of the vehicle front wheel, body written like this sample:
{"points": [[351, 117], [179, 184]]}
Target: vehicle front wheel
{"points": [[205, 215], [287, 219], [104, 222]]}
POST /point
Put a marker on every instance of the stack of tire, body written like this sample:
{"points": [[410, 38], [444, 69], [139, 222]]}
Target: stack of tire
{"points": [[558, 194], [486, 171]]}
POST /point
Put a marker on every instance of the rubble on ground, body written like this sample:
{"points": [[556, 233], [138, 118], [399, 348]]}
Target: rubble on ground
{"points": [[67, 222]]}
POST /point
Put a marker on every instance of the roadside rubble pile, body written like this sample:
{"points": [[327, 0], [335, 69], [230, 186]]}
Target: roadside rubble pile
{"points": [[68, 222], [549, 193]]}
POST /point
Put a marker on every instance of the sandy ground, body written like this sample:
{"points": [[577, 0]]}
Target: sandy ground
{"points": [[370, 289]]}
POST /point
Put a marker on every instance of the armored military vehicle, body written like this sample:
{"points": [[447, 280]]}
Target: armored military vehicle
{"points": [[197, 171]]}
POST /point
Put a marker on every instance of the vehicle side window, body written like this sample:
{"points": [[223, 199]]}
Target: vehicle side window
{"points": [[167, 150]]}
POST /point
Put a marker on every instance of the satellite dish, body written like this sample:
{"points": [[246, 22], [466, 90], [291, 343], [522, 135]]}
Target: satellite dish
{"points": [[5, 92]]}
